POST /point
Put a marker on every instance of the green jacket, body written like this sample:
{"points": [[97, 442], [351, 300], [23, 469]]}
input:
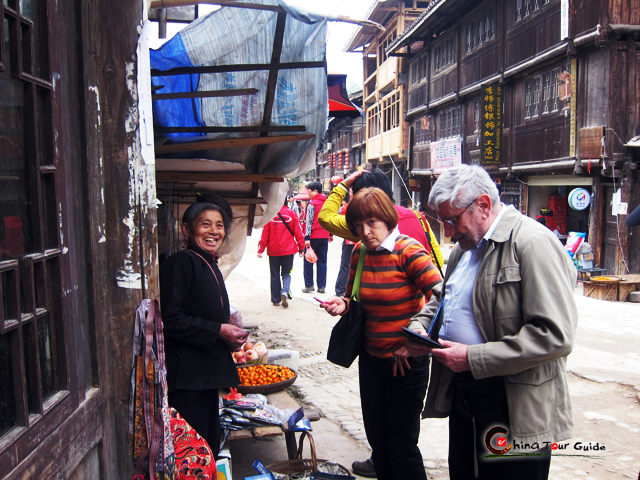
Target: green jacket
{"points": [[526, 312], [333, 222]]}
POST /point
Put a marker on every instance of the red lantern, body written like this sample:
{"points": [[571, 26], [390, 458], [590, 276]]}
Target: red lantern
{"points": [[347, 164], [340, 160]]}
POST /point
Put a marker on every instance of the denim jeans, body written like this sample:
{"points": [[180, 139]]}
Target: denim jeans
{"points": [[343, 274], [280, 266], [391, 409], [320, 246]]}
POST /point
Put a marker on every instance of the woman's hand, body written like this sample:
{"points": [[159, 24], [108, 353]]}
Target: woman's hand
{"points": [[416, 349], [233, 336], [352, 178], [400, 361], [335, 306]]}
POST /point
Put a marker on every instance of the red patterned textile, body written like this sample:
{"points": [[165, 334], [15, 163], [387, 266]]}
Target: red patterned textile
{"points": [[194, 459]]}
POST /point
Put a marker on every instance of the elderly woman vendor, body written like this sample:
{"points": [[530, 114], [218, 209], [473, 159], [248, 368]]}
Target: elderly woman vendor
{"points": [[195, 310], [397, 277]]}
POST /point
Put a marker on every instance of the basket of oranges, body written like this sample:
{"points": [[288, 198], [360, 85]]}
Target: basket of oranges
{"points": [[265, 379]]}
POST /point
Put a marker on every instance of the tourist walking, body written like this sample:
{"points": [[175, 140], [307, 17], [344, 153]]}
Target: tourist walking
{"points": [[316, 238], [282, 237]]}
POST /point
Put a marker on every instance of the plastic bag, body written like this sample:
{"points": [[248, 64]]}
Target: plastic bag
{"points": [[573, 242], [310, 255], [235, 318]]}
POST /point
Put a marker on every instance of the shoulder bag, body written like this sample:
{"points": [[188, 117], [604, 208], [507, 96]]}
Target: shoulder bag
{"points": [[347, 336]]}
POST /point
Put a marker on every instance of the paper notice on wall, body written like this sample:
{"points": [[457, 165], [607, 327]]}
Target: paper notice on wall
{"points": [[622, 208], [615, 202]]}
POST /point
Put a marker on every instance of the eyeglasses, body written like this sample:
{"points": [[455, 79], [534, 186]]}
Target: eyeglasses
{"points": [[453, 221]]}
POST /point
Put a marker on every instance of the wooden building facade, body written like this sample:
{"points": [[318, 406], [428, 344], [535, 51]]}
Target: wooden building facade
{"points": [[385, 89], [78, 236], [343, 146], [568, 74]]}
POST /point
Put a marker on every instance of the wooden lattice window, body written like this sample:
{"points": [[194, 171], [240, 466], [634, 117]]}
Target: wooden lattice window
{"points": [[32, 354]]}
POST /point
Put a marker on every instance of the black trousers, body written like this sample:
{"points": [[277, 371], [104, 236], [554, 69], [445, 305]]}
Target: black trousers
{"points": [[280, 266], [391, 408], [200, 409], [479, 405]]}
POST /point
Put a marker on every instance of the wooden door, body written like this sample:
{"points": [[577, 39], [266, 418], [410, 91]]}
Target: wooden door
{"points": [[610, 225]]}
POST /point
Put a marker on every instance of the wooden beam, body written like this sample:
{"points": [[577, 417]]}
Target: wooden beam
{"points": [[276, 53], [216, 177], [229, 143], [245, 67], [270, 96], [214, 129], [236, 92], [158, 4]]}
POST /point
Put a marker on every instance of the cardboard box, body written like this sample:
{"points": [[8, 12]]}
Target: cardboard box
{"points": [[588, 256]]}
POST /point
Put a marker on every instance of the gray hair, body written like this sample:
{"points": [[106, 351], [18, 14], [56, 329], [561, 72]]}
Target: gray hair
{"points": [[461, 185]]}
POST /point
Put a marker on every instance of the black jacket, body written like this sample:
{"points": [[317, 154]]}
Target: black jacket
{"points": [[194, 306]]}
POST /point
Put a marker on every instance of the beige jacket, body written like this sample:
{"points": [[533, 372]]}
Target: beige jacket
{"points": [[523, 299]]}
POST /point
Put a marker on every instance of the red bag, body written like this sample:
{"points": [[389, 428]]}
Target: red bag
{"points": [[194, 459], [310, 255]]}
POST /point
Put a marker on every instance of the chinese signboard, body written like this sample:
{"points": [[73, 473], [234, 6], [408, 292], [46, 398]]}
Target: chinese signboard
{"points": [[572, 125], [445, 154], [491, 125]]}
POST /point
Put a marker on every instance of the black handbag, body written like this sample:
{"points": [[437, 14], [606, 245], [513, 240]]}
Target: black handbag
{"points": [[347, 336]]}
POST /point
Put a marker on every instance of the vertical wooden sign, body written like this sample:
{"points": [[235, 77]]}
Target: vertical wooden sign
{"points": [[491, 125], [572, 128]]}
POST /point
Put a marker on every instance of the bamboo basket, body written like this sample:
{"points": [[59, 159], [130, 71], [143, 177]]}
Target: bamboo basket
{"points": [[301, 465]]}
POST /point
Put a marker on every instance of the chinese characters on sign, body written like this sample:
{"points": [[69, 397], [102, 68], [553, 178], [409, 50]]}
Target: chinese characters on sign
{"points": [[445, 154], [491, 125]]}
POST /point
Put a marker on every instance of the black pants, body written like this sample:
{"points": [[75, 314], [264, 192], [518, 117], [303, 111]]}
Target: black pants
{"points": [[280, 266], [391, 408], [320, 246], [343, 274], [479, 405], [200, 409]]}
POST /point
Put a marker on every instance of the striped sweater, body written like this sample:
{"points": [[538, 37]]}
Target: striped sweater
{"points": [[392, 290]]}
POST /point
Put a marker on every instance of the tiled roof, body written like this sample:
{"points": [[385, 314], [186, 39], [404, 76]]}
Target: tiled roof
{"points": [[416, 23]]}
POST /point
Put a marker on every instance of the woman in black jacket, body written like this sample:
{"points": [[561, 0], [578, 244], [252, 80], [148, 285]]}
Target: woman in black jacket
{"points": [[195, 310]]}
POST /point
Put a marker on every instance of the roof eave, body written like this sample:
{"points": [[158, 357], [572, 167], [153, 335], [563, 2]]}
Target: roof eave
{"points": [[407, 36]]}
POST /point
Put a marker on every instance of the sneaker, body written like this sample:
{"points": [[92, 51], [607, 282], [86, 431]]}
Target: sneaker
{"points": [[276, 304], [364, 469], [321, 290], [307, 289], [284, 301]]}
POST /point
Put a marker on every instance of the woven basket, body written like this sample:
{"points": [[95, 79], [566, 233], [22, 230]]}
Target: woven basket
{"points": [[301, 465], [266, 389], [605, 279]]}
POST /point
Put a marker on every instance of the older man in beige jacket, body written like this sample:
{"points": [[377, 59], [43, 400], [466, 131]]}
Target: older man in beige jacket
{"points": [[508, 321]]}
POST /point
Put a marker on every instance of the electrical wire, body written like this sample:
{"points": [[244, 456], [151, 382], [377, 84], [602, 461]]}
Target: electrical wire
{"points": [[624, 261]]}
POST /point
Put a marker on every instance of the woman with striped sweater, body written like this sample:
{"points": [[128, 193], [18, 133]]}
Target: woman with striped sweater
{"points": [[397, 278]]}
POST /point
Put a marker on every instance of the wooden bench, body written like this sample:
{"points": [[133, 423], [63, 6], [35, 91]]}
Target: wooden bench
{"points": [[282, 401]]}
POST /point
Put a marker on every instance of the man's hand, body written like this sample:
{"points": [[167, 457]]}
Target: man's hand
{"points": [[454, 356], [416, 349], [334, 306], [233, 336], [352, 178], [300, 254], [259, 255]]}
